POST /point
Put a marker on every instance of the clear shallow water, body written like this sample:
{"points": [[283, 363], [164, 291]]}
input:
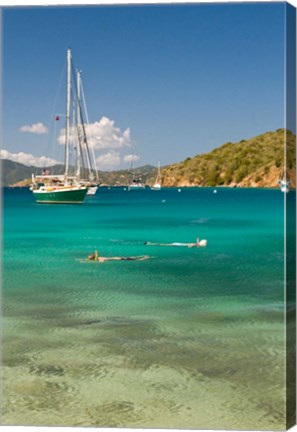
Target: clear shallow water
{"points": [[192, 338]]}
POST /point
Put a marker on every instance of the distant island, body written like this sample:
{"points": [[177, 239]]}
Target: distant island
{"points": [[256, 162]]}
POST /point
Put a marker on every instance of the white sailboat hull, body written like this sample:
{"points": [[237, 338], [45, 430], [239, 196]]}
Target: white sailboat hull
{"points": [[284, 185], [156, 186], [92, 190], [136, 187]]}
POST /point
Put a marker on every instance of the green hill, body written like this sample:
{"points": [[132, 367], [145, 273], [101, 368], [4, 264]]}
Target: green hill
{"points": [[14, 173], [256, 162]]}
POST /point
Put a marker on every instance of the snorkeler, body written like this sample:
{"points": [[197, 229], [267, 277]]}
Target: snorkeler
{"points": [[96, 257], [93, 256], [198, 243]]}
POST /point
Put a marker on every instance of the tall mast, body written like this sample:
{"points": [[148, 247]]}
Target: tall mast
{"points": [[132, 165], [67, 113], [83, 128], [78, 123], [91, 157]]}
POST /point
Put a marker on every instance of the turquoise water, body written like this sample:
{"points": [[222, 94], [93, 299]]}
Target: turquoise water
{"points": [[192, 337]]}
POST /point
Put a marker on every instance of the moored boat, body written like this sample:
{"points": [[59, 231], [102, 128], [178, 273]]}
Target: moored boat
{"points": [[49, 194], [136, 181], [60, 189], [157, 184], [92, 189], [284, 185], [284, 182], [136, 184]]}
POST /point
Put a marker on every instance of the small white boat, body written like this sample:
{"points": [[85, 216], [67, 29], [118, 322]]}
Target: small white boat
{"points": [[284, 185], [92, 190], [136, 181], [136, 185], [157, 184]]}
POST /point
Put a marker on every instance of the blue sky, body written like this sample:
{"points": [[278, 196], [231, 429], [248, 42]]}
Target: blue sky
{"points": [[173, 80]]}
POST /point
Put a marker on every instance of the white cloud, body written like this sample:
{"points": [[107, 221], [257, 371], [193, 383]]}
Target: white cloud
{"points": [[131, 157], [28, 159], [36, 128], [102, 134], [108, 161]]}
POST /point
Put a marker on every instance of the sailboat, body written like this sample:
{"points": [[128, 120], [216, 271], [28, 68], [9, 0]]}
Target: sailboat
{"points": [[65, 188], [157, 184], [284, 182], [284, 185], [136, 182]]}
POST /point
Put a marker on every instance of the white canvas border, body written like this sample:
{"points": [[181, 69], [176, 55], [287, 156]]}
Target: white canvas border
{"points": [[28, 3]]}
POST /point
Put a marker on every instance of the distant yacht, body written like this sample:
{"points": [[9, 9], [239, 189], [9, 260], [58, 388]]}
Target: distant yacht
{"points": [[157, 184], [284, 185], [92, 189], [136, 182]]}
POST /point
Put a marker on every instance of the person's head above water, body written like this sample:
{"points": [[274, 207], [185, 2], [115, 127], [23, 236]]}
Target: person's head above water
{"points": [[94, 256]]}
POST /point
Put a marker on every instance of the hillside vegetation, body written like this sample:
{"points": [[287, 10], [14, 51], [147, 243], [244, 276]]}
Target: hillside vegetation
{"points": [[256, 162], [13, 172], [124, 177], [16, 174]]}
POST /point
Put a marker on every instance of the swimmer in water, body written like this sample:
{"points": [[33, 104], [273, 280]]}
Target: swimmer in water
{"points": [[198, 243], [123, 258], [96, 257]]}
